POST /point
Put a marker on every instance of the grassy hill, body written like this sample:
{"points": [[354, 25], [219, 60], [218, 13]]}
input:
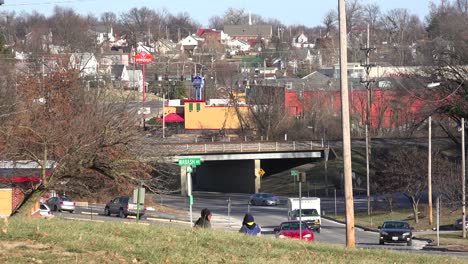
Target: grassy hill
{"points": [[65, 241]]}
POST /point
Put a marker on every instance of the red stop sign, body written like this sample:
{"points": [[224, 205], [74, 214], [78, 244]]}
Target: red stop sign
{"points": [[143, 58]]}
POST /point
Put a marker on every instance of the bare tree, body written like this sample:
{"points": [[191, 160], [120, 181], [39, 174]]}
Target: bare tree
{"points": [[55, 119], [405, 169]]}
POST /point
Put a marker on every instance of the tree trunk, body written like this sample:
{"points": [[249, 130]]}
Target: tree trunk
{"points": [[390, 203], [415, 204], [28, 203]]}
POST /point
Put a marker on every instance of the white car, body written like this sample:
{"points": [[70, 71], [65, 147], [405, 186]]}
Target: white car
{"points": [[44, 211]]}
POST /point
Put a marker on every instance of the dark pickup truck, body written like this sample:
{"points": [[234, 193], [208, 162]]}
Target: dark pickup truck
{"points": [[123, 206]]}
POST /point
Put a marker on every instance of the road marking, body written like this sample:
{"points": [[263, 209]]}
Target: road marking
{"points": [[88, 213]]}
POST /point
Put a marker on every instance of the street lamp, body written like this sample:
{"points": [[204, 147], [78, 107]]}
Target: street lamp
{"points": [[429, 160]]}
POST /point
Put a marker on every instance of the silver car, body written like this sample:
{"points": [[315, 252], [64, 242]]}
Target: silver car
{"points": [[264, 199], [61, 203]]}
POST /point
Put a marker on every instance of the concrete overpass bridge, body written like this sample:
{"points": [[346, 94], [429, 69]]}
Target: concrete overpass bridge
{"points": [[238, 167]]}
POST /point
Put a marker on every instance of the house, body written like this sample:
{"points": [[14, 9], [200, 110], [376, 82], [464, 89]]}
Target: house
{"points": [[238, 46], [190, 43], [103, 34], [305, 57], [133, 80], [86, 63], [209, 35], [119, 72], [114, 57], [164, 46], [301, 41], [252, 34]]}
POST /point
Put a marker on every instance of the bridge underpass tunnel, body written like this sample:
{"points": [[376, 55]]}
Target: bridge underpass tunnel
{"points": [[225, 176]]}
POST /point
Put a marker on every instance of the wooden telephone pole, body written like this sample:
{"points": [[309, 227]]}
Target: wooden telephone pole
{"points": [[347, 169]]}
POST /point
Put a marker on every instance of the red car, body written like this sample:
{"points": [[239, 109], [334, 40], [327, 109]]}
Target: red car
{"points": [[290, 229]]}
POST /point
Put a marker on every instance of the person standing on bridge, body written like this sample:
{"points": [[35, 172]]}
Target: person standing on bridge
{"points": [[249, 226], [205, 219]]}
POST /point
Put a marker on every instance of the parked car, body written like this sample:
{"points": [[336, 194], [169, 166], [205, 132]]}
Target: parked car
{"points": [[61, 203], [123, 206], [44, 210], [396, 232], [264, 199], [459, 223], [290, 229]]}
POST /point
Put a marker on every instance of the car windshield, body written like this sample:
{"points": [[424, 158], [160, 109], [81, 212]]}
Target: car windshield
{"points": [[292, 226], [65, 199], [395, 225], [267, 195], [306, 213], [43, 207]]}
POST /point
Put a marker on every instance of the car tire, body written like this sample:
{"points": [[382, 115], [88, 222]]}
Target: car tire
{"points": [[106, 211], [264, 203], [55, 208], [381, 242], [318, 230], [71, 212], [409, 243]]}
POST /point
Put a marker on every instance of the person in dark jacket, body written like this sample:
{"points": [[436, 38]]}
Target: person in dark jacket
{"points": [[249, 226], [204, 220]]}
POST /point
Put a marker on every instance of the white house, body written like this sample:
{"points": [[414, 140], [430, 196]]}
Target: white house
{"points": [[301, 41], [133, 79], [239, 45], [190, 43], [86, 63]]}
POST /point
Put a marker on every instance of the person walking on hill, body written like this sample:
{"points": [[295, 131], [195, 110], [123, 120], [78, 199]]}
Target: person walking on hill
{"points": [[249, 226], [205, 219]]}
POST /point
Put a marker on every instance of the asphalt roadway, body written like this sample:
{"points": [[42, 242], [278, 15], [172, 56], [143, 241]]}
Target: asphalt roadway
{"points": [[230, 218]]}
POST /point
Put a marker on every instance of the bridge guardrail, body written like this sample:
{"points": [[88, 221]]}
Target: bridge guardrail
{"points": [[239, 147]]}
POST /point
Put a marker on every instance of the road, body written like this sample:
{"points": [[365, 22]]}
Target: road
{"points": [[270, 217], [267, 217]]}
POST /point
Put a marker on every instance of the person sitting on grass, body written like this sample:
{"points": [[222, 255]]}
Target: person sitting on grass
{"points": [[204, 220], [249, 226]]}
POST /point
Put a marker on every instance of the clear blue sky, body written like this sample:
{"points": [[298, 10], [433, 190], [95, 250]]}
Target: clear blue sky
{"points": [[307, 12]]}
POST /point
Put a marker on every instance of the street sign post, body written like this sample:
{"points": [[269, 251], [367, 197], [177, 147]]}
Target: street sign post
{"points": [[143, 58], [294, 173], [189, 163]]}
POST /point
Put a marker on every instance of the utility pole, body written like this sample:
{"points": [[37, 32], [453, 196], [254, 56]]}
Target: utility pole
{"points": [[368, 81], [347, 166], [429, 172], [463, 178], [164, 116]]}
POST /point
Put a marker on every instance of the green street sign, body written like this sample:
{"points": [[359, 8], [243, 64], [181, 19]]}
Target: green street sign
{"points": [[294, 173], [189, 162]]}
